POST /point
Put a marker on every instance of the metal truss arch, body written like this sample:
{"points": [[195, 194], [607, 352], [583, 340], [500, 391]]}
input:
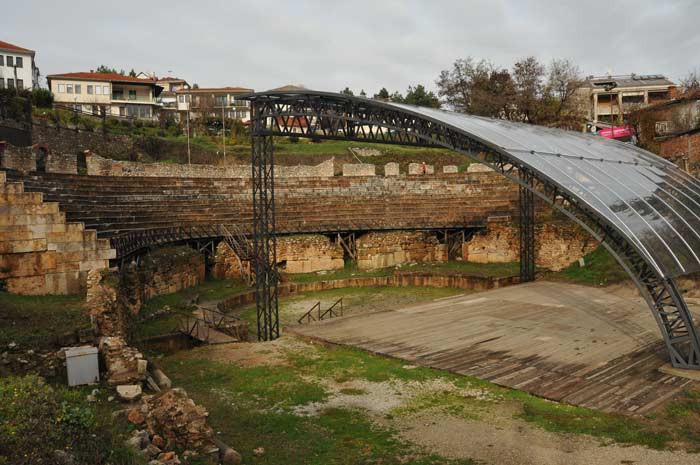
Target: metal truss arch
{"points": [[319, 115]]}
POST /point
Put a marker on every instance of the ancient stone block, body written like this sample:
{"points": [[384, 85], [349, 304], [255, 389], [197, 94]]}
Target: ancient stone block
{"points": [[391, 169], [450, 169], [358, 169]]}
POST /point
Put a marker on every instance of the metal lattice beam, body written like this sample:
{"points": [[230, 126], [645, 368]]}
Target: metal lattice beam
{"points": [[327, 116], [527, 228], [264, 236]]}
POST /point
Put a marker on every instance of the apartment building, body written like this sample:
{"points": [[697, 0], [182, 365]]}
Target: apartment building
{"points": [[214, 101], [117, 95], [18, 68], [168, 97], [609, 100]]}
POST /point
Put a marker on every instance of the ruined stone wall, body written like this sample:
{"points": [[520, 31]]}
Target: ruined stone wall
{"points": [[66, 163], [558, 244], [99, 166], [18, 158], [384, 249], [73, 141], [358, 169], [308, 253], [170, 269], [40, 253]]}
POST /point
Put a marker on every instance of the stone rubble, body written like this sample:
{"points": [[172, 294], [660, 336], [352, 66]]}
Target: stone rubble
{"points": [[124, 364]]}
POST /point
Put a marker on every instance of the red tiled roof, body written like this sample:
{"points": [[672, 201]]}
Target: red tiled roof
{"points": [[112, 77], [170, 79], [8, 46], [288, 88], [215, 89]]}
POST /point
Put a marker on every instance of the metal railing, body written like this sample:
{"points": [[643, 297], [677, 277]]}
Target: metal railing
{"points": [[192, 326], [333, 311], [308, 316], [222, 322]]}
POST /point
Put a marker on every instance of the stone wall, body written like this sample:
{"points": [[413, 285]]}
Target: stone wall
{"points": [[384, 249], [679, 149], [170, 269], [18, 158], [391, 169], [99, 166], [358, 169], [558, 244], [66, 163], [417, 168], [63, 140], [308, 253], [40, 253]]}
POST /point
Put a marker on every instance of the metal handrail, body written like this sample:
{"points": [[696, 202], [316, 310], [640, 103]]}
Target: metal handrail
{"points": [[330, 310], [308, 315], [189, 324]]}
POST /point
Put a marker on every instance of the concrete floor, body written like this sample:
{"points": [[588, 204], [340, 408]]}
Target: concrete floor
{"points": [[576, 344]]}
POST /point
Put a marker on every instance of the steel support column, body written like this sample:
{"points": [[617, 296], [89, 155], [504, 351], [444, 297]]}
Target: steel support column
{"points": [[264, 236], [527, 228]]}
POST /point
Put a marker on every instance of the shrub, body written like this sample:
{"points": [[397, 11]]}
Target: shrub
{"points": [[36, 419], [42, 98]]}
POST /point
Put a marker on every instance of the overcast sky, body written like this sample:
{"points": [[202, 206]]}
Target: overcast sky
{"points": [[328, 44]]}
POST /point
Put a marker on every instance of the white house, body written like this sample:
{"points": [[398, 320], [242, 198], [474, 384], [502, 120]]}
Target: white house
{"points": [[17, 67]]}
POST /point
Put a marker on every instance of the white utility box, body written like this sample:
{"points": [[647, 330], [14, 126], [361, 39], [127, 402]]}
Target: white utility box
{"points": [[82, 365]]}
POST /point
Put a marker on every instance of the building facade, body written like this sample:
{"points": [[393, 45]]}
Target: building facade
{"points": [[18, 68], [117, 95], [214, 102], [609, 100], [168, 97]]}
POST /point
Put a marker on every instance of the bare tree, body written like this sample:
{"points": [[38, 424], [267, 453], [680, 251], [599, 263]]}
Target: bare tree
{"points": [[691, 81], [528, 76], [561, 105]]}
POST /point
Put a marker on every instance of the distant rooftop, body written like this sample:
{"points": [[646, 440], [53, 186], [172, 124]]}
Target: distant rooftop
{"points": [[14, 48], [288, 87], [628, 80], [91, 76], [214, 89]]}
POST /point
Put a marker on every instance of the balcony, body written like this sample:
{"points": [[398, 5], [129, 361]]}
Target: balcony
{"points": [[132, 98]]}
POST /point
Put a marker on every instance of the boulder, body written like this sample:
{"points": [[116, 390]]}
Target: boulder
{"points": [[129, 392]]}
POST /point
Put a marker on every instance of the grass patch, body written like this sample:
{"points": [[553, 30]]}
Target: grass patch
{"points": [[36, 419], [210, 290], [601, 269], [37, 321], [483, 270], [252, 407], [332, 275]]}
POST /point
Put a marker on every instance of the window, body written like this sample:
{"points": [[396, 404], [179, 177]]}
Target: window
{"points": [[61, 88], [10, 83], [132, 95], [2, 83], [94, 109], [98, 90], [182, 98], [20, 83], [2, 60], [105, 90], [18, 62], [78, 89], [69, 88], [89, 89], [221, 100], [10, 62]]}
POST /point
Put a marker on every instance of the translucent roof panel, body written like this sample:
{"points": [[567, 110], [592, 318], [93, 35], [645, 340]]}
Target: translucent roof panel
{"points": [[647, 199]]}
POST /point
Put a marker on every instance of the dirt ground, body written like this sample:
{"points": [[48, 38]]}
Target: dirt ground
{"points": [[493, 434]]}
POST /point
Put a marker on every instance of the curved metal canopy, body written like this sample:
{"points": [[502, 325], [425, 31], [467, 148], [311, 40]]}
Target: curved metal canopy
{"points": [[647, 199], [644, 209]]}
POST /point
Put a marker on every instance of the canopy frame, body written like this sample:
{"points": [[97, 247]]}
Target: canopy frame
{"points": [[321, 115]]}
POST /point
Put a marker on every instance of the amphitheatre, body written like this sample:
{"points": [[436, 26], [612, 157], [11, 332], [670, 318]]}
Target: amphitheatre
{"points": [[533, 201]]}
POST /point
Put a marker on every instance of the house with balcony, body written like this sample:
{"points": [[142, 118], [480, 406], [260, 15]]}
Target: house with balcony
{"points": [[116, 95], [214, 102], [609, 100], [17, 67], [168, 97]]}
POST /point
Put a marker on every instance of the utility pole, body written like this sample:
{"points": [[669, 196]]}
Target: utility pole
{"points": [[189, 159], [223, 126]]}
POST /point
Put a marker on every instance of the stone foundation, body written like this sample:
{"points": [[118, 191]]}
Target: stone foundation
{"points": [[558, 244], [170, 269], [40, 253], [308, 253], [384, 249]]}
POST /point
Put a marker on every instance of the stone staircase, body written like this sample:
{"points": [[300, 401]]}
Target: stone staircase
{"points": [[40, 252]]}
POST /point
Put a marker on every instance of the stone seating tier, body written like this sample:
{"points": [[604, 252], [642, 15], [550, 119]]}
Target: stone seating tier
{"points": [[114, 205]]}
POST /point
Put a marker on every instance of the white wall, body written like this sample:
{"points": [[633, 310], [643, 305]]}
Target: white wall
{"points": [[24, 73]]}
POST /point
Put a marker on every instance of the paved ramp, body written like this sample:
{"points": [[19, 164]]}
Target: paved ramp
{"points": [[569, 343]]}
